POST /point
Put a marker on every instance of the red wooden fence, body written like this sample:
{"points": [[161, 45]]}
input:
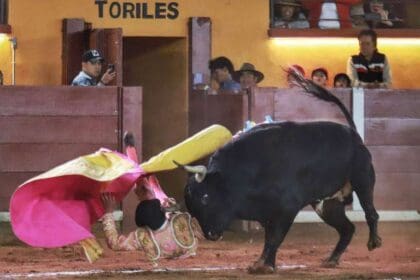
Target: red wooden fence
{"points": [[391, 129], [42, 127]]}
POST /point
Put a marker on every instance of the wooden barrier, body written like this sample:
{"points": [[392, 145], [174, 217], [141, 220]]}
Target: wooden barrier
{"points": [[38, 127], [42, 127], [229, 110], [391, 129], [392, 134], [295, 105]]}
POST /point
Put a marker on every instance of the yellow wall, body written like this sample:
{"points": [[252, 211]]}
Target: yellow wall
{"points": [[5, 58], [239, 32]]}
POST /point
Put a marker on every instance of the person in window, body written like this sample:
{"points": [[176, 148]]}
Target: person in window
{"points": [[379, 15], [288, 14], [330, 14], [357, 14]]}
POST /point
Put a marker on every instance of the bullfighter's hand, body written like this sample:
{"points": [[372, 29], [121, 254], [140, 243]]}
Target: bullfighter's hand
{"points": [[108, 199], [141, 191]]}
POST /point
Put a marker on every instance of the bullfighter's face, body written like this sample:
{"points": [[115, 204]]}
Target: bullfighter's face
{"points": [[206, 201]]}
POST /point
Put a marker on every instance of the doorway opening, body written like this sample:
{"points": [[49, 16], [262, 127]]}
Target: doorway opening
{"points": [[160, 66]]}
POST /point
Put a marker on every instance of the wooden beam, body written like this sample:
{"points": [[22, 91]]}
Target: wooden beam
{"points": [[341, 33], [199, 50], [5, 28]]}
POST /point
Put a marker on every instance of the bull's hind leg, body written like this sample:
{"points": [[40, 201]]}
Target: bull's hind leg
{"points": [[363, 180], [332, 212]]}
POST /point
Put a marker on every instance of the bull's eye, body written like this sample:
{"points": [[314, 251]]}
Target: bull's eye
{"points": [[188, 190], [205, 199]]}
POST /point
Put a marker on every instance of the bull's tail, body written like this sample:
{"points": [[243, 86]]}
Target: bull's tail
{"points": [[321, 93]]}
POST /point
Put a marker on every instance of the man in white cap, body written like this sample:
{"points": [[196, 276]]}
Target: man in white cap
{"points": [[91, 69]]}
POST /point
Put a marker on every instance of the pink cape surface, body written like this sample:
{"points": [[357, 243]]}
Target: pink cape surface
{"points": [[54, 211]]}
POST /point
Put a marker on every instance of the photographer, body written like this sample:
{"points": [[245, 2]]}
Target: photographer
{"points": [[92, 63]]}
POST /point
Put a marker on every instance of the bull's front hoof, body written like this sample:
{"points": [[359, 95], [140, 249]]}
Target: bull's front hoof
{"points": [[374, 243], [260, 268], [329, 263]]}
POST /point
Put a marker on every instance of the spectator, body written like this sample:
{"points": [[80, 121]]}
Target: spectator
{"points": [[320, 77], [91, 69], [290, 80], [341, 80], [358, 17], [221, 69], [1, 78], [370, 68], [248, 76], [379, 15], [327, 14], [288, 14]]}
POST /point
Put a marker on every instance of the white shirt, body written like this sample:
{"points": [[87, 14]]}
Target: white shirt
{"points": [[329, 17]]}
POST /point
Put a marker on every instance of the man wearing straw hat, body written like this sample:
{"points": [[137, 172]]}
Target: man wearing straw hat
{"points": [[248, 76], [287, 14]]}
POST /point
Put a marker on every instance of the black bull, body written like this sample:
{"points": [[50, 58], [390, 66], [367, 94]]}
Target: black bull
{"points": [[271, 172]]}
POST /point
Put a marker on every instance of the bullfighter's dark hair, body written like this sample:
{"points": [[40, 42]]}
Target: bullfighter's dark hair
{"points": [[220, 63], [129, 139], [371, 33], [149, 213]]}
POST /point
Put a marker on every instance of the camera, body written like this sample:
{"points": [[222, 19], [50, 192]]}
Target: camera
{"points": [[111, 68]]}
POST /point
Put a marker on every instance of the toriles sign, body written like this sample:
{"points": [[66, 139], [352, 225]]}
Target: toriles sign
{"points": [[156, 10]]}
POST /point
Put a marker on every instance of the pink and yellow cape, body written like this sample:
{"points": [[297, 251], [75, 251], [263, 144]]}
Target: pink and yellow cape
{"points": [[58, 207]]}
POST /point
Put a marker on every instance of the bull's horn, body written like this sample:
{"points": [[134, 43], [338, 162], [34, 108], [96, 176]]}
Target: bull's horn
{"points": [[200, 171]]}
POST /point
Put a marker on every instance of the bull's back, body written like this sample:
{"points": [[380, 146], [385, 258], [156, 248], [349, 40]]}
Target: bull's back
{"points": [[311, 158]]}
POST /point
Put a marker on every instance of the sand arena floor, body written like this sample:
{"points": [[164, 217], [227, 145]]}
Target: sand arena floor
{"points": [[298, 258]]}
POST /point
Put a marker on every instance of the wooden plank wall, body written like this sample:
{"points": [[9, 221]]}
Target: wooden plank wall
{"points": [[295, 105], [229, 110], [392, 133], [132, 120], [46, 126]]}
